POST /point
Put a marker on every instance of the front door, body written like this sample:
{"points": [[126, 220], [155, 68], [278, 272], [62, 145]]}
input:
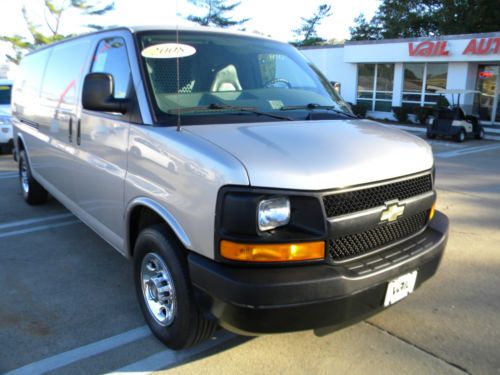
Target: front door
{"points": [[102, 144], [488, 83]]}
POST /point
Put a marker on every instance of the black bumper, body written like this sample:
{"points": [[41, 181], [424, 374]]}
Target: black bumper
{"points": [[249, 300]]}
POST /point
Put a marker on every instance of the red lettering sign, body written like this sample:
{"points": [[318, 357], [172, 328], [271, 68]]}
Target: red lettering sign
{"points": [[428, 48], [482, 46]]}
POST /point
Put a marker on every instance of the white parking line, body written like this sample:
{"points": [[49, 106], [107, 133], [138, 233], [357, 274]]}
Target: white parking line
{"points": [[466, 151], [169, 358], [6, 175], [38, 228], [78, 354], [32, 221]]}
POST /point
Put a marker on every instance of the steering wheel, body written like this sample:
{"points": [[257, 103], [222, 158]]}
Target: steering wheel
{"points": [[273, 81]]}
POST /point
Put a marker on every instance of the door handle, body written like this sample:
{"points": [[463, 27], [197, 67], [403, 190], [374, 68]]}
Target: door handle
{"points": [[78, 133], [70, 130]]}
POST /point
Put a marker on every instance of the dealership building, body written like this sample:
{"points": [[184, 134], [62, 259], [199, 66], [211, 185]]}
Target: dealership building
{"points": [[382, 74]]}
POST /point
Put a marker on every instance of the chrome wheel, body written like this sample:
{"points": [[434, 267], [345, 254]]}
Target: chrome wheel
{"points": [[23, 175], [158, 289]]}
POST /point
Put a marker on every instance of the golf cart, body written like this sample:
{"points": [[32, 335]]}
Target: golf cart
{"points": [[452, 121]]}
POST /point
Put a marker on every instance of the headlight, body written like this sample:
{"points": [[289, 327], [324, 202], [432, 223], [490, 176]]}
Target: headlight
{"points": [[273, 213]]}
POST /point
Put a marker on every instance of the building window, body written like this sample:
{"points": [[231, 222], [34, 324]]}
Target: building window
{"points": [[421, 81], [375, 86]]}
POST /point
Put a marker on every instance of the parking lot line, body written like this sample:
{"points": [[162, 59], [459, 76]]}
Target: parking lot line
{"points": [[38, 228], [466, 151], [78, 354], [169, 358], [32, 221], [6, 175]]}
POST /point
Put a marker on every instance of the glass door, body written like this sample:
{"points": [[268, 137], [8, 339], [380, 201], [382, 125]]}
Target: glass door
{"points": [[488, 83]]}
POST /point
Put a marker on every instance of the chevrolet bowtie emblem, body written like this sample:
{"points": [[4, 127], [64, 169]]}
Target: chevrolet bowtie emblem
{"points": [[392, 212]]}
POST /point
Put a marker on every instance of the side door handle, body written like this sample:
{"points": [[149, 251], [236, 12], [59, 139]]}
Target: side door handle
{"points": [[78, 133], [70, 130]]}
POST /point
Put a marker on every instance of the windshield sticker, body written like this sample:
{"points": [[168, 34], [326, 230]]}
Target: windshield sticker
{"points": [[168, 51], [276, 104]]}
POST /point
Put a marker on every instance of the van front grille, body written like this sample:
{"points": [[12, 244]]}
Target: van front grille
{"points": [[357, 244], [363, 199]]}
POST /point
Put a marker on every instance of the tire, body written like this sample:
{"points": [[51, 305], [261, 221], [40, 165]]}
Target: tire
{"points": [[431, 135], [479, 134], [33, 192], [460, 137], [165, 292]]}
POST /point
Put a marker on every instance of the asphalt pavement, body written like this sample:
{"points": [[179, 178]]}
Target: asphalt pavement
{"points": [[67, 303]]}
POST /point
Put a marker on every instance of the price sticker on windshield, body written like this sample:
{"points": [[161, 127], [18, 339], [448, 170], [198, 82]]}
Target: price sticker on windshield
{"points": [[168, 51]]}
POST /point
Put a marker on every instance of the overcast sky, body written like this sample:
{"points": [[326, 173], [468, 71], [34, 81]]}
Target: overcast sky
{"points": [[272, 17]]}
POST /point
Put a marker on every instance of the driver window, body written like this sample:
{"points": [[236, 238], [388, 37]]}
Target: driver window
{"points": [[280, 71], [111, 57]]}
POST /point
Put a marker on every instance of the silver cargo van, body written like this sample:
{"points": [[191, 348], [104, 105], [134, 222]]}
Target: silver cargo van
{"points": [[233, 175]]}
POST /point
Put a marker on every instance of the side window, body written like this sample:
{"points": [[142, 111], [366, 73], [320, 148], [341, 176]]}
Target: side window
{"points": [[64, 73], [278, 70], [111, 57]]}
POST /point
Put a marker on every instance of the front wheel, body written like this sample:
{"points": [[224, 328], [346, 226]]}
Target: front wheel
{"points": [[33, 192], [479, 134], [165, 292], [460, 137]]}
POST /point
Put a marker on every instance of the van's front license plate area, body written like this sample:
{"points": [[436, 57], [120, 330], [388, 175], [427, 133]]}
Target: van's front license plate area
{"points": [[399, 288]]}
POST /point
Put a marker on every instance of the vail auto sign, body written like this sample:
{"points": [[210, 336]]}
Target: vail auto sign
{"points": [[476, 46]]}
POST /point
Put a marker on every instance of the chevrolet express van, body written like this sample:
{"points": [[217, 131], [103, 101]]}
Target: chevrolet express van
{"points": [[230, 171]]}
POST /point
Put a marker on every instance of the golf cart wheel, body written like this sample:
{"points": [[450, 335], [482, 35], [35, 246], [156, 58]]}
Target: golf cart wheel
{"points": [[165, 292], [460, 137], [479, 134]]}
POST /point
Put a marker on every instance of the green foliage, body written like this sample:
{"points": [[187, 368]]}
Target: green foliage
{"points": [[215, 14], [401, 113], [442, 102], [415, 18], [53, 17], [307, 33]]}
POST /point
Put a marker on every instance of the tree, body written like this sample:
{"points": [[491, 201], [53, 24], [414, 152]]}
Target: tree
{"points": [[364, 30], [215, 13], [307, 32], [53, 17], [415, 18]]}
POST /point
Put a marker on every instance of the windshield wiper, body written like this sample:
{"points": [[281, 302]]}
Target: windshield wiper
{"points": [[224, 107], [313, 106]]}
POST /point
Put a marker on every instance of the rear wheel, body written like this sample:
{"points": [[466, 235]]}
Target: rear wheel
{"points": [[165, 292], [33, 192], [460, 137]]}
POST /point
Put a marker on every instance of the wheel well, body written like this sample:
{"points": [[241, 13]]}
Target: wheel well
{"points": [[141, 218], [20, 144]]}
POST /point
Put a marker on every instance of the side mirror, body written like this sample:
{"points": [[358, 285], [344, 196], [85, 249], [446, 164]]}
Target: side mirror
{"points": [[97, 94], [336, 86]]}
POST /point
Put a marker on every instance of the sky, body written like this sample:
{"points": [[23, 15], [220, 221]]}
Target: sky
{"points": [[276, 18]]}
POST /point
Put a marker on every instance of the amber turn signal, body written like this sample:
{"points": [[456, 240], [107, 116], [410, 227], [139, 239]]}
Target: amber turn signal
{"points": [[283, 252], [433, 210]]}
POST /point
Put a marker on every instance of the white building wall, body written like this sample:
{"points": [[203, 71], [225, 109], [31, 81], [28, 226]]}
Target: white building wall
{"points": [[331, 62]]}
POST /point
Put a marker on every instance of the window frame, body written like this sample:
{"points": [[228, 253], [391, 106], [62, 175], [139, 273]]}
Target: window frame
{"points": [[374, 91], [423, 93]]}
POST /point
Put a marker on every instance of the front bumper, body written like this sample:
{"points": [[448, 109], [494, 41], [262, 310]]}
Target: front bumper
{"points": [[251, 300]]}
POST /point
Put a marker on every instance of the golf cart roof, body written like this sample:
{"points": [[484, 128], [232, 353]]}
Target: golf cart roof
{"points": [[456, 91]]}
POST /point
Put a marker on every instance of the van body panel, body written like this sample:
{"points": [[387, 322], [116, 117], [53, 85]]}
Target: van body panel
{"points": [[182, 173]]}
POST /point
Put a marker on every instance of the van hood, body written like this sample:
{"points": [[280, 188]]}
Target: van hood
{"points": [[319, 155]]}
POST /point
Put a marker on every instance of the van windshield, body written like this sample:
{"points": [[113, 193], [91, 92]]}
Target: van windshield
{"points": [[5, 93], [218, 78]]}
